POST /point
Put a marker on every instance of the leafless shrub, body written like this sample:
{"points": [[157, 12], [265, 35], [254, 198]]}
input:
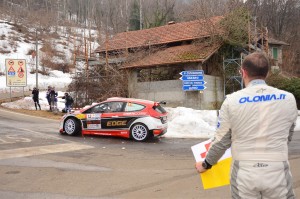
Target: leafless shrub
{"points": [[2, 51], [98, 85]]}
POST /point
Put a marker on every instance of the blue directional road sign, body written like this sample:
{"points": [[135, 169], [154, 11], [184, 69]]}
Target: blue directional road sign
{"points": [[201, 82], [193, 80], [191, 77], [192, 72], [193, 88]]}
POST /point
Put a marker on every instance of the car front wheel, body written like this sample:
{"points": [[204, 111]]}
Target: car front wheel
{"points": [[72, 126], [139, 132]]}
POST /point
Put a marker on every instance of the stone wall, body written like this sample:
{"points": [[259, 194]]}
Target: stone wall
{"points": [[171, 91]]}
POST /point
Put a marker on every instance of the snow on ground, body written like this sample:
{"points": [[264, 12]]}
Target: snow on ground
{"points": [[189, 123], [182, 122], [19, 50], [28, 104], [56, 79]]}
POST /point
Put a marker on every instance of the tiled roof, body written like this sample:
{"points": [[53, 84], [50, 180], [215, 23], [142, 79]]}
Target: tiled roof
{"points": [[276, 42], [164, 34], [174, 55]]}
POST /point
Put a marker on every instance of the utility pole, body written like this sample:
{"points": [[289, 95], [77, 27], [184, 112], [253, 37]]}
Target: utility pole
{"points": [[141, 15], [255, 33], [36, 60]]}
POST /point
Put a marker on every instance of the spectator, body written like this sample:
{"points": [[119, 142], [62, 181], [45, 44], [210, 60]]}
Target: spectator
{"points": [[35, 97], [68, 102], [48, 97], [53, 99]]}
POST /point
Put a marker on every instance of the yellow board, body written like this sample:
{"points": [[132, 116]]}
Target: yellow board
{"points": [[218, 175]]}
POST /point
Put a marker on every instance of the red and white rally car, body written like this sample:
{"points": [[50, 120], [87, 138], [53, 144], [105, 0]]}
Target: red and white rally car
{"points": [[123, 117]]}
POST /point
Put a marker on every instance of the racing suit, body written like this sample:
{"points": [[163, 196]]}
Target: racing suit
{"points": [[257, 122]]}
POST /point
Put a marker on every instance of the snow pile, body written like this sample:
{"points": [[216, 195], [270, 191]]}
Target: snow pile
{"points": [[27, 102], [189, 123]]}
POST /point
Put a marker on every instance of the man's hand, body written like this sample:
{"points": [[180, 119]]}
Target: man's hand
{"points": [[199, 167]]}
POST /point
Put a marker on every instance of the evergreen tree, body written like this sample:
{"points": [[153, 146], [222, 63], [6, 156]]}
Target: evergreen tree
{"points": [[134, 21]]}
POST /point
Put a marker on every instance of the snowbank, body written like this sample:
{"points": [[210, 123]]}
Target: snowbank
{"points": [[28, 104], [189, 123]]}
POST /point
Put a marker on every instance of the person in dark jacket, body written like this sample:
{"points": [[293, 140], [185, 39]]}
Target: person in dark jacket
{"points": [[68, 102], [48, 97], [53, 99], [35, 97]]}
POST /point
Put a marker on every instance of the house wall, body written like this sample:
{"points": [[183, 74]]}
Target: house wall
{"points": [[171, 91], [277, 61]]}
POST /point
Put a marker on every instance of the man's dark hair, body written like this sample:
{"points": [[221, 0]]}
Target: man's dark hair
{"points": [[256, 65]]}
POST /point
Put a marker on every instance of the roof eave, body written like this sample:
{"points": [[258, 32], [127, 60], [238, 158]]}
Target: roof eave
{"points": [[161, 64]]}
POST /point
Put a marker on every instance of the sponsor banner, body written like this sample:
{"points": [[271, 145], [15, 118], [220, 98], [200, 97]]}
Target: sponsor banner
{"points": [[219, 174], [16, 72]]}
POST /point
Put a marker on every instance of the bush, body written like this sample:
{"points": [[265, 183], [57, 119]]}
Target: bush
{"points": [[291, 85]]}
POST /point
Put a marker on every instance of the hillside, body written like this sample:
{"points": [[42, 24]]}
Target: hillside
{"points": [[57, 47]]}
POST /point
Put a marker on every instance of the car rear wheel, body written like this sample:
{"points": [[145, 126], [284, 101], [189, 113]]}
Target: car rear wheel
{"points": [[72, 126], [139, 132]]}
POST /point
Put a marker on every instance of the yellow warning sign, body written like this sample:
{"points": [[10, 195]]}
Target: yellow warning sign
{"points": [[16, 74]]}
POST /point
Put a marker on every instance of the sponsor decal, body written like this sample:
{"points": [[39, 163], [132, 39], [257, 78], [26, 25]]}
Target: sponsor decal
{"points": [[117, 123], [262, 98], [80, 116], [93, 126], [260, 165], [93, 116], [135, 113]]}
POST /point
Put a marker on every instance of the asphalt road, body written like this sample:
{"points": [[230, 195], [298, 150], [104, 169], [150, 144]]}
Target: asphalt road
{"points": [[36, 162]]}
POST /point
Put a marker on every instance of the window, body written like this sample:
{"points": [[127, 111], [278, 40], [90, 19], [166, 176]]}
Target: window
{"points": [[115, 106], [275, 53], [100, 108], [133, 107]]}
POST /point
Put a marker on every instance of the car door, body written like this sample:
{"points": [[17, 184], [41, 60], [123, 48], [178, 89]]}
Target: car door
{"points": [[94, 116], [112, 119]]}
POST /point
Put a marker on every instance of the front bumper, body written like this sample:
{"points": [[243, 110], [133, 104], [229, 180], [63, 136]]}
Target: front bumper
{"points": [[159, 132]]}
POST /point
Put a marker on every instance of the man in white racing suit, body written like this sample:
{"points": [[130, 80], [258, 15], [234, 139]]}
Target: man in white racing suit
{"points": [[257, 122]]}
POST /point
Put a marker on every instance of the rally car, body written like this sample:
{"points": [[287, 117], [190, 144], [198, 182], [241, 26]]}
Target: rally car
{"points": [[123, 117]]}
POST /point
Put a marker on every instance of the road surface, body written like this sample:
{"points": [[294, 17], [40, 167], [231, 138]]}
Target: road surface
{"points": [[36, 162]]}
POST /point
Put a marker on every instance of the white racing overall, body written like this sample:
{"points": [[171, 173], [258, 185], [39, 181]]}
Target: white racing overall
{"points": [[257, 123]]}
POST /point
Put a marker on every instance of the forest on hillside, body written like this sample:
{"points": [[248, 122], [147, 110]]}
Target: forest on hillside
{"points": [[281, 17]]}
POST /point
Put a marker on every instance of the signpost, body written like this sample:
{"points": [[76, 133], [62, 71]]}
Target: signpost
{"points": [[193, 80], [16, 74]]}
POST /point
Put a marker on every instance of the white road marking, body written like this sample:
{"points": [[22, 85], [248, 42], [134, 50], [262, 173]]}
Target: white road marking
{"points": [[40, 150], [45, 135]]}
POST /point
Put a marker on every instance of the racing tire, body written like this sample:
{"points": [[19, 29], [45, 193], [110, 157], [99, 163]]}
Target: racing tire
{"points": [[72, 127], [139, 132]]}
